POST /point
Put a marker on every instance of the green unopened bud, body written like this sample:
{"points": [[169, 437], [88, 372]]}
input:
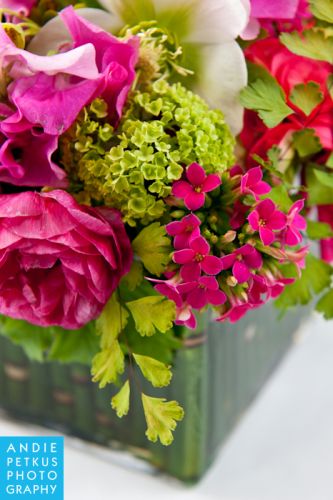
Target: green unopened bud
{"points": [[229, 236], [214, 239], [177, 214]]}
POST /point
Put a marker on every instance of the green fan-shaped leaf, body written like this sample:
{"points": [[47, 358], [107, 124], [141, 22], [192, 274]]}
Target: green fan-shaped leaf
{"points": [[121, 401], [322, 9], [314, 44], [151, 313], [156, 372], [153, 247], [111, 322], [161, 417], [108, 364], [325, 305], [306, 96]]}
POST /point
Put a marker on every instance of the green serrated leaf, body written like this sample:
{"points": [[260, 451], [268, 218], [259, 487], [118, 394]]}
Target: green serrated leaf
{"points": [[322, 9], [325, 305], [268, 99], [318, 192], [316, 276], [111, 322], [108, 364], [325, 178], [134, 278], [35, 340], [153, 247], [74, 346], [314, 44], [306, 96], [121, 401], [279, 194], [151, 313], [319, 230], [329, 162], [306, 142], [154, 371], [161, 417]]}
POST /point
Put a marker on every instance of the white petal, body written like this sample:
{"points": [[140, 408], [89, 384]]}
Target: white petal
{"points": [[54, 34], [221, 77]]}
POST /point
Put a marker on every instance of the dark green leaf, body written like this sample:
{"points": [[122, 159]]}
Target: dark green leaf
{"points": [[74, 346], [306, 142], [325, 305], [35, 340]]}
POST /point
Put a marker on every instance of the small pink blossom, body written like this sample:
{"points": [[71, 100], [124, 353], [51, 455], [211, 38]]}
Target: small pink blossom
{"points": [[295, 224], [204, 291], [242, 260], [266, 219], [236, 312], [184, 230], [193, 191], [185, 316], [195, 259], [252, 183]]}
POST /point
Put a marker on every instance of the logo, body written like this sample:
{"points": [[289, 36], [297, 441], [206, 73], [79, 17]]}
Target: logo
{"points": [[31, 467]]}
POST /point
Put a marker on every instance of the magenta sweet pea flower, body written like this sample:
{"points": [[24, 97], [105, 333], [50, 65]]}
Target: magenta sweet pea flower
{"points": [[193, 191], [204, 291], [184, 230], [252, 183], [295, 224], [266, 219], [195, 259], [242, 261]]}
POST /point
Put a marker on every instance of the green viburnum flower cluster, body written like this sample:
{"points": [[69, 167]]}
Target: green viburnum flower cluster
{"points": [[133, 167]]}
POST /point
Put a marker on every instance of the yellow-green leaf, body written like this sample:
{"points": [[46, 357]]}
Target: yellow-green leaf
{"points": [[151, 313], [306, 96], [121, 401], [108, 364], [153, 247], [111, 322], [135, 277], [314, 44], [322, 9], [156, 372], [161, 418]]}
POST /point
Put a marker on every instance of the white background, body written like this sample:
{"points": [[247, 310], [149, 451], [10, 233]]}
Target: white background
{"points": [[282, 449]]}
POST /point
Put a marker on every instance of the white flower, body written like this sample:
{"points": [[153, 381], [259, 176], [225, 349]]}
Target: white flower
{"points": [[206, 29]]}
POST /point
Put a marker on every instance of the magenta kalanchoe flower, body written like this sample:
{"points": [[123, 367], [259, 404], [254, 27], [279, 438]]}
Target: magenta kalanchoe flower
{"points": [[184, 230], [295, 224], [238, 215], [193, 191], [266, 219], [195, 259], [252, 183], [242, 261], [204, 291]]}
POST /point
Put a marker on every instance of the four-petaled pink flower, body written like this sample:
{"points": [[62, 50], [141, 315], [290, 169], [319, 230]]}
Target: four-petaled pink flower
{"points": [[184, 230], [266, 219], [204, 291], [193, 191], [195, 259], [295, 224], [252, 183], [242, 261]]}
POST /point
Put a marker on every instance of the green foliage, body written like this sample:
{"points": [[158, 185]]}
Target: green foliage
{"points": [[279, 194], [161, 417], [325, 178], [306, 142], [325, 305], [306, 96], [134, 278], [133, 168], [315, 44], [322, 9], [35, 340], [151, 314], [121, 401], [159, 374], [318, 230], [153, 247], [74, 346], [316, 276], [108, 364], [268, 99], [319, 190], [111, 322], [160, 346]]}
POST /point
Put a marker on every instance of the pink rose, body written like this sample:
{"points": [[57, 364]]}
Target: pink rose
{"points": [[60, 262]]}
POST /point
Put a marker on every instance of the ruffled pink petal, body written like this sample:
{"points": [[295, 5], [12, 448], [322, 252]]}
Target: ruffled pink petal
{"points": [[194, 200], [241, 272], [216, 297], [190, 272], [253, 219], [183, 256], [211, 265], [277, 220], [212, 182], [200, 245], [195, 174], [180, 189], [266, 235]]}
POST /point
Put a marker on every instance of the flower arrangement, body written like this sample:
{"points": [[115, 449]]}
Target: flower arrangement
{"points": [[133, 199]]}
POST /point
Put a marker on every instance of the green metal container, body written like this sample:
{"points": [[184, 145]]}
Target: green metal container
{"points": [[217, 373]]}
